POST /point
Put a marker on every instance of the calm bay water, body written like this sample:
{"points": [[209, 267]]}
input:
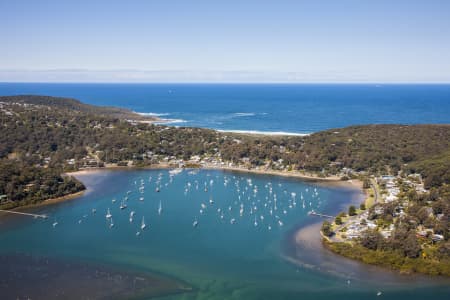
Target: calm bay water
{"points": [[217, 259], [271, 108], [226, 256]]}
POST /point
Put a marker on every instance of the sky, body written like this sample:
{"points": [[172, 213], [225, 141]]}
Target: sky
{"points": [[319, 41]]}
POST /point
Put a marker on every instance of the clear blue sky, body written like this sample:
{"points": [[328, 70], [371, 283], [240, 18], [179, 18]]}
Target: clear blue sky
{"points": [[223, 41]]}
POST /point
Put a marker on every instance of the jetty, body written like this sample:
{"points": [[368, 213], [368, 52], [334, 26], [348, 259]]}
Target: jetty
{"points": [[24, 214], [313, 213]]}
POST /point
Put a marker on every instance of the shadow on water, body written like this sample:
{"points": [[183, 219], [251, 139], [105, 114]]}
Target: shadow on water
{"points": [[33, 277]]}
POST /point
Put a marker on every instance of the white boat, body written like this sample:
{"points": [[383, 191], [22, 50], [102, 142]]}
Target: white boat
{"points": [[159, 208], [232, 221], [379, 293], [108, 214], [211, 201], [141, 199], [54, 224], [143, 224], [113, 200], [111, 224], [195, 223], [123, 205], [255, 223], [175, 171], [94, 210], [138, 233]]}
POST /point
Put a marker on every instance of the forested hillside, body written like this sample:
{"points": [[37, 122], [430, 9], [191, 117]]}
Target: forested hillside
{"points": [[58, 134]]}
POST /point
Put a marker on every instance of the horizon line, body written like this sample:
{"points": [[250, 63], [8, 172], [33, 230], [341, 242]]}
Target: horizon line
{"points": [[238, 82]]}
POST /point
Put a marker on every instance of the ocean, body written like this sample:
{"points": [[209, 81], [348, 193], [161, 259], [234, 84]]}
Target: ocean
{"points": [[269, 108], [210, 234]]}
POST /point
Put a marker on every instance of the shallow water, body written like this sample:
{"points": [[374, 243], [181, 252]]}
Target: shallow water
{"points": [[217, 259]]}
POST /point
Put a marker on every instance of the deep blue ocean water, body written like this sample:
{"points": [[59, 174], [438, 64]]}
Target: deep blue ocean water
{"points": [[301, 108]]}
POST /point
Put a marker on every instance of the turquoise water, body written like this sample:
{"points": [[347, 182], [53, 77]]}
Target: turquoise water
{"points": [[298, 108], [249, 259]]}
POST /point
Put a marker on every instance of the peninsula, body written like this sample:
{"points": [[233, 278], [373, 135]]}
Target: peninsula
{"points": [[404, 223]]}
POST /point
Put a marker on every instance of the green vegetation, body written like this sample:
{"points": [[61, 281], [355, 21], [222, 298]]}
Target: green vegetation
{"points": [[43, 137], [438, 263], [326, 229], [352, 210]]}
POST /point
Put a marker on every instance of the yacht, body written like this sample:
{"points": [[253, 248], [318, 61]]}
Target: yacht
{"points": [[108, 214], [143, 224]]}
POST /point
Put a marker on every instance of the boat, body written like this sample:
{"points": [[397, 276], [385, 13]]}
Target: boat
{"points": [[111, 224], [195, 223], [159, 208], [138, 233], [232, 221], [94, 210], [123, 205], [143, 224], [141, 199], [113, 200], [108, 214], [255, 223], [54, 224], [211, 201]]}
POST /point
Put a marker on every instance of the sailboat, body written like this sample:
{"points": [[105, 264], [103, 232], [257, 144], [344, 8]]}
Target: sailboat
{"points": [[111, 224], [159, 208], [123, 205], [143, 224], [108, 214]]}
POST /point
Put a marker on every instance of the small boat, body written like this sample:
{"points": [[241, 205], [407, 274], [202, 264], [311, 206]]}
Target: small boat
{"points": [[195, 223], [269, 227], [143, 224], [203, 205], [280, 223], [94, 211], [232, 221], [108, 214], [123, 205], [159, 208], [141, 199], [54, 224], [138, 233], [255, 223], [113, 200], [379, 293], [211, 201], [157, 189], [111, 224]]}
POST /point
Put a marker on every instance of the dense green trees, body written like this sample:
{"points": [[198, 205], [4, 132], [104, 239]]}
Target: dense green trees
{"points": [[326, 228]]}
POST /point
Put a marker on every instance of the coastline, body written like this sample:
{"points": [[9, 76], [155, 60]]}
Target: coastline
{"points": [[328, 181]]}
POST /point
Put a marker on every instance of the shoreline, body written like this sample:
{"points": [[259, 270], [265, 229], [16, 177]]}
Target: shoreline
{"points": [[332, 181]]}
